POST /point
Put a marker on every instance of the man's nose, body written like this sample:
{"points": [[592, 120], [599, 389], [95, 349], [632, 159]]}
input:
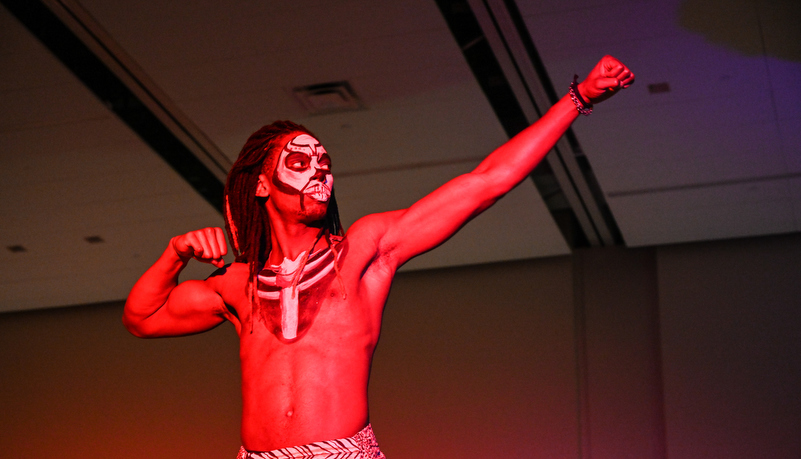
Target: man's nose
{"points": [[320, 174]]}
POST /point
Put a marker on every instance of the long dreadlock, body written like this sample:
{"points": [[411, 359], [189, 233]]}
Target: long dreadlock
{"points": [[246, 220]]}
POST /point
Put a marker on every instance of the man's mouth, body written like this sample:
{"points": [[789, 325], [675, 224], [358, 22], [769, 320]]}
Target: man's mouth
{"points": [[318, 192]]}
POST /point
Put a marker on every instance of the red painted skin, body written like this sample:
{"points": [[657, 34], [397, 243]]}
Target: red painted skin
{"points": [[315, 388]]}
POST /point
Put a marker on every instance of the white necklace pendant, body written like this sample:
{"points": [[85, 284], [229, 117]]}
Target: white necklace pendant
{"points": [[282, 285], [288, 296]]}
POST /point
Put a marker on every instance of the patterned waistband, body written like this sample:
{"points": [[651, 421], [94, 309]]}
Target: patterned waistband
{"points": [[363, 445]]}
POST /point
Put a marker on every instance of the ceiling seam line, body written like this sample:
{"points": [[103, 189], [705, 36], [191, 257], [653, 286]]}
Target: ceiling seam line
{"points": [[579, 177], [484, 64], [592, 218], [142, 85], [220, 160], [667, 189], [91, 71]]}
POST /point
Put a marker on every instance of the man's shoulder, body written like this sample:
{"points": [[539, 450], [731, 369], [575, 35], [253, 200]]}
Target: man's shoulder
{"points": [[365, 241], [231, 269], [228, 275], [364, 235], [230, 283], [372, 226]]}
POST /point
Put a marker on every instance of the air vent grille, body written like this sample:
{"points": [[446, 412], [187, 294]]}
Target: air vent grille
{"points": [[325, 98]]}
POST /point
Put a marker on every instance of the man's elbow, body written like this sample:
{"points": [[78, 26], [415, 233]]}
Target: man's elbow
{"points": [[136, 325], [132, 327]]}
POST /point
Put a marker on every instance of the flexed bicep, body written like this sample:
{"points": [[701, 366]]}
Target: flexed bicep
{"points": [[191, 307], [159, 306]]}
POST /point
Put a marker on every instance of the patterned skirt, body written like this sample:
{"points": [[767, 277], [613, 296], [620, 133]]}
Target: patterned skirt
{"points": [[363, 445]]}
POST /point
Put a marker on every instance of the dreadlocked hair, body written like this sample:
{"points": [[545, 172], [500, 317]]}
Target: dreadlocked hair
{"points": [[246, 220]]}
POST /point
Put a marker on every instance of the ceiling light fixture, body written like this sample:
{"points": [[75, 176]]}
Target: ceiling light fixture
{"points": [[658, 88]]}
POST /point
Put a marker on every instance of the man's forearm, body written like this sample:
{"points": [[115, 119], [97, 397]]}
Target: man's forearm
{"points": [[513, 161]]}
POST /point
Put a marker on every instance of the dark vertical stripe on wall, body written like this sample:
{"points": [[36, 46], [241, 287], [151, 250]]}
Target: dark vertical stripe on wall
{"points": [[618, 351], [580, 342]]}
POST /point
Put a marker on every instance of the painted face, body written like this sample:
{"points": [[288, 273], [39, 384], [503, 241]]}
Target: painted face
{"points": [[305, 167]]}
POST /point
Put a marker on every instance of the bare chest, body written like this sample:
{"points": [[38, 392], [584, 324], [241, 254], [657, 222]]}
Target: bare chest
{"points": [[290, 297], [328, 295]]}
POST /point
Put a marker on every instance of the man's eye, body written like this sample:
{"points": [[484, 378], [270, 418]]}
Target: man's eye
{"points": [[297, 162], [325, 163]]}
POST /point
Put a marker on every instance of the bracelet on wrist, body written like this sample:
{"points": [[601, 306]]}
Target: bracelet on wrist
{"points": [[583, 107]]}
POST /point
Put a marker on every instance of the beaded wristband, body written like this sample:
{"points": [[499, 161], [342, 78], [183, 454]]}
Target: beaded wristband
{"points": [[583, 107]]}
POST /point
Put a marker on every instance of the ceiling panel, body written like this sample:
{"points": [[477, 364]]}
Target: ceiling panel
{"points": [[249, 63], [715, 212], [794, 187], [710, 159], [790, 132]]}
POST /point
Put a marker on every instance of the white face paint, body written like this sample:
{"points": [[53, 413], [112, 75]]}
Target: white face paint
{"points": [[305, 167]]}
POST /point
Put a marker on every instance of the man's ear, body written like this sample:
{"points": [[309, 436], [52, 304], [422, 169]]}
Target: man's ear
{"points": [[263, 187]]}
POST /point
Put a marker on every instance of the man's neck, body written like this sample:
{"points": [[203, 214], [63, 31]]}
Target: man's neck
{"points": [[289, 240]]}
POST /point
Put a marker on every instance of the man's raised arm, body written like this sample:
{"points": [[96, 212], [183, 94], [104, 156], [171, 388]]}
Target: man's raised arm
{"points": [[159, 306], [404, 234]]}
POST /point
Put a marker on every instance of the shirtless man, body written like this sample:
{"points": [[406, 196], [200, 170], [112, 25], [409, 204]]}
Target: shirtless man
{"points": [[307, 300]]}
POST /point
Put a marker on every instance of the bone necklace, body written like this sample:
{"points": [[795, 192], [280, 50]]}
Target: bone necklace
{"points": [[285, 282]]}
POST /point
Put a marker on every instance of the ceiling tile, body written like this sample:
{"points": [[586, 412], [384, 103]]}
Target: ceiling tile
{"points": [[694, 214]]}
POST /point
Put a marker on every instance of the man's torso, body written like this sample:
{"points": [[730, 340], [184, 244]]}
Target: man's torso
{"points": [[312, 387]]}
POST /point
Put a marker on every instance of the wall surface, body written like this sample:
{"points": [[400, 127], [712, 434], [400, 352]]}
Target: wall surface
{"points": [[616, 297], [479, 362], [731, 343], [76, 385]]}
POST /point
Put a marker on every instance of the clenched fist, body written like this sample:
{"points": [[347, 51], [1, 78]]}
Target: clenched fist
{"points": [[606, 79], [206, 245]]}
